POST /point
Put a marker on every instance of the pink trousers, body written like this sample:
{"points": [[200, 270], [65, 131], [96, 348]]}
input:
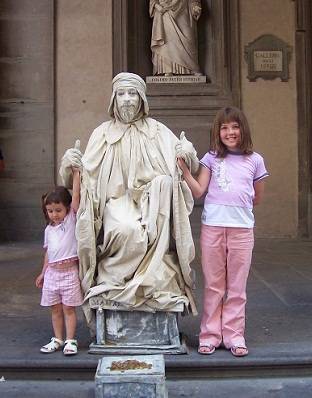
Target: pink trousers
{"points": [[226, 257]]}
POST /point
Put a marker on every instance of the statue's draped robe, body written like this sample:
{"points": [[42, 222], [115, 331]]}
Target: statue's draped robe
{"points": [[174, 39], [134, 238]]}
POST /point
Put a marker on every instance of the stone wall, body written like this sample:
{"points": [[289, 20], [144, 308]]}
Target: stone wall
{"points": [[56, 67], [83, 69], [271, 107], [26, 115]]}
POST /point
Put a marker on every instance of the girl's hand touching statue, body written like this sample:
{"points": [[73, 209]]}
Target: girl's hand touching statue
{"points": [[185, 148], [73, 156]]}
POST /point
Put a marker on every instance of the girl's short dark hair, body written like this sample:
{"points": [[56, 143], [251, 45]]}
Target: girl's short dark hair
{"points": [[227, 115], [58, 195]]}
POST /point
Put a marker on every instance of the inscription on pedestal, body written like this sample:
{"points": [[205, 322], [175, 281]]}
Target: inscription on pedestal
{"points": [[176, 79]]}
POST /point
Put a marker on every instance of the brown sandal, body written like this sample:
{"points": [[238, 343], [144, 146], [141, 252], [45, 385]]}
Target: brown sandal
{"points": [[206, 349]]}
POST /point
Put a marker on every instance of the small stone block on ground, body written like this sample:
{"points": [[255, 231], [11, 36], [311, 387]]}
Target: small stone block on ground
{"points": [[139, 376]]}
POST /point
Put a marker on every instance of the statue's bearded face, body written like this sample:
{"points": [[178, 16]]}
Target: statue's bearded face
{"points": [[128, 103]]}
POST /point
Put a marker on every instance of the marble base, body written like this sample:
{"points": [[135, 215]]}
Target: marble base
{"points": [[137, 332]]}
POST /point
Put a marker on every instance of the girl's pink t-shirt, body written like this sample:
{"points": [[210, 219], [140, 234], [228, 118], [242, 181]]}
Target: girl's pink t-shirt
{"points": [[232, 178], [60, 240]]}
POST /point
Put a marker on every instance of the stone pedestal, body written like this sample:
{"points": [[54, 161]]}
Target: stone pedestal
{"points": [[131, 376], [137, 332]]}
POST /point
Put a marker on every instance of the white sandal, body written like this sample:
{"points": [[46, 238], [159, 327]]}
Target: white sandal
{"points": [[70, 347], [239, 350], [54, 345]]}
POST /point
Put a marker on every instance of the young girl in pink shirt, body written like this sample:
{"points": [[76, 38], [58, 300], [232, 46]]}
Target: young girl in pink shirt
{"points": [[232, 175], [59, 278]]}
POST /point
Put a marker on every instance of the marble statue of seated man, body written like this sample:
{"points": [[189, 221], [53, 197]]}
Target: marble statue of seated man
{"points": [[134, 237]]}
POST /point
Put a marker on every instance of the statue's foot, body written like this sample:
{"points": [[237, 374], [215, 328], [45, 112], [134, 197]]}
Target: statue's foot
{"points": [[198, 74], [168, 74]]}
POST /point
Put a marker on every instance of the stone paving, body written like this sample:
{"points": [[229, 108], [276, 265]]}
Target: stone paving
{"points": [[279, 310], [279, 319]]}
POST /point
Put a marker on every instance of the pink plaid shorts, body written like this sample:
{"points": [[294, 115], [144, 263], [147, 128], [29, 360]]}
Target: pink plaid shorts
{"points": [[61, 285]]}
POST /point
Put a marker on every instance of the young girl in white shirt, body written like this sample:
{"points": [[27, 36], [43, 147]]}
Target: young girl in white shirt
{"points": [[232, 175], [59, 278]]}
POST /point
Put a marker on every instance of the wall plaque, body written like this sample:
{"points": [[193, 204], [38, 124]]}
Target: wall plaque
{"points": [[268, 57]]}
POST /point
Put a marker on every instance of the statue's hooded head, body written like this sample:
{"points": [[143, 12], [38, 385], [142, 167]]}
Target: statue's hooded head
{"points": [[125, 81]]}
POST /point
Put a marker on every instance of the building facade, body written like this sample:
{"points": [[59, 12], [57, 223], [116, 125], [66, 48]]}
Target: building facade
{"points": [[58, 58]]}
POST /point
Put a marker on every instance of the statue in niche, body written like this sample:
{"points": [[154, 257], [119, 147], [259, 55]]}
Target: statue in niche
{"points": [[134, 237], [174, 36]]}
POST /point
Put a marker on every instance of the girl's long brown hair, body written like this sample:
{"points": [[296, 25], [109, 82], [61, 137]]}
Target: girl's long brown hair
{"points": [[227, 115], [58, 195]]}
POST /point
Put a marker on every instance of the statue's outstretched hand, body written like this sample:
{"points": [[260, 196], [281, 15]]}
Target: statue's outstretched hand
{"points": [[184, 148], [73, 156]]}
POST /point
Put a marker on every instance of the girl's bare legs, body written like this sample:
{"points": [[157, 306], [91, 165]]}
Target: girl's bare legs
{"points": [[57, 320], [70, 321]]}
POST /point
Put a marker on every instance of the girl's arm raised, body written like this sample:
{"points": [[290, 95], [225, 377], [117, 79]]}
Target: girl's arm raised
{"points": [[259, 192], [199, 185], [76, 189]]}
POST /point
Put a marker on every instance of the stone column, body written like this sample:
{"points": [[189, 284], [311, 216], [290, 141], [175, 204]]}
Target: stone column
{"points": [[26, 114]]}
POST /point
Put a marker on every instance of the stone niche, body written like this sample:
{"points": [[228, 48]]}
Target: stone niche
{"points": [[190, 107]]}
